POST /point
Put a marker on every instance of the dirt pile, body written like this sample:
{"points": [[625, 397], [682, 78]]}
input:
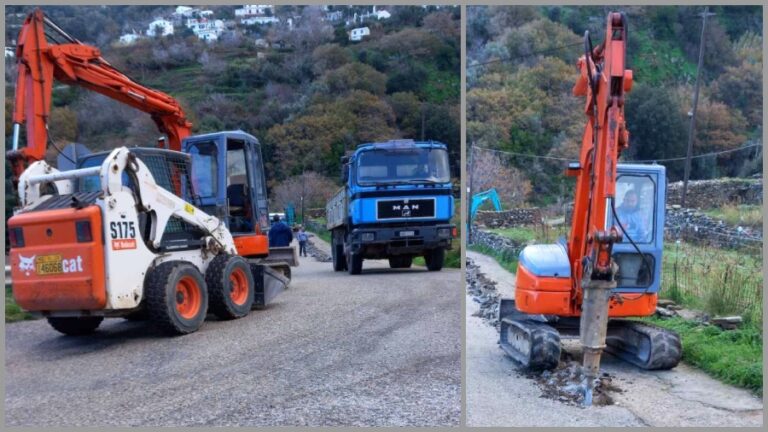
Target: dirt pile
{"points": [[566, 383], [317, 253], [484, 292]]}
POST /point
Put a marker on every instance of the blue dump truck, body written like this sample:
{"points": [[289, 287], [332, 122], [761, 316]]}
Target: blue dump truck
{"points": [[396, 203]]}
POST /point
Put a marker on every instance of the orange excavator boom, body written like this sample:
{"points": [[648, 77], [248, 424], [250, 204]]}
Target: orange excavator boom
{"points": [[74, 63]]}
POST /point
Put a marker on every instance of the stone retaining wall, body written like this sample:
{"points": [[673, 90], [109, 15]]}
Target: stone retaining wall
{"points": [[707, 194], [694, 226], [509, 218]]}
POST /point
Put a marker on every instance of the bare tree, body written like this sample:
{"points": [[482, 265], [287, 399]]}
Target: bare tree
{"points": [[313, 187], [490, 171]]}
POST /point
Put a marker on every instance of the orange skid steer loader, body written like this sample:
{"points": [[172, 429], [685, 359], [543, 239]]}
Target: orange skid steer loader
{"points": [[129, 247]]}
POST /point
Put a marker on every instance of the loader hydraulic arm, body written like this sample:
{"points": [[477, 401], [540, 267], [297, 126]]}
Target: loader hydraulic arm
{"points": [[74, 63]]}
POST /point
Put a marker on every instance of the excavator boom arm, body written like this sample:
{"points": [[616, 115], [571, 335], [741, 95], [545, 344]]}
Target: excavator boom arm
{"points": [[603, 81], [75, 63]]}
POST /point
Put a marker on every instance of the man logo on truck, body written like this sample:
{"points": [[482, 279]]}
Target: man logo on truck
{"points": [[405, 210]]}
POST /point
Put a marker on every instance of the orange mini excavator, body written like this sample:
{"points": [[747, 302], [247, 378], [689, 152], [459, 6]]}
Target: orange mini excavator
{"points": [[610, 267]]}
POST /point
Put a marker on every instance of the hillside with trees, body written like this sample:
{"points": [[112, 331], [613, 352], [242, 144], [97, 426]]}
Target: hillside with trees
{"points": [[521, 69], [300, 85]]}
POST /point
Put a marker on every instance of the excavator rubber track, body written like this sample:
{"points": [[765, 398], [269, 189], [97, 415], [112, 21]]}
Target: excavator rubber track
{"points": [[645, 345], [532, 344]]}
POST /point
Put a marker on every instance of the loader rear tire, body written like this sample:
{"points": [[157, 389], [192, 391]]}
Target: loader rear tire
{"points": [[75, 326], [177, 297], [230, 286]]}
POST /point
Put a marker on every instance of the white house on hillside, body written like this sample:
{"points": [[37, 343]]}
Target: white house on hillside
{"points": [[164, 27], [251, 10], [181, 13], [260, 20], [205, 29], [357, 34], [129, 38], [334, 16]]}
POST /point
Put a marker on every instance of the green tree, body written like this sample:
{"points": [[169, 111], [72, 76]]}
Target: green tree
{"points": [[657, 128]]}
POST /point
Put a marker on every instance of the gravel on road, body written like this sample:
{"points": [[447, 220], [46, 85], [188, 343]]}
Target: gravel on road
{"points": [[382, 348]]}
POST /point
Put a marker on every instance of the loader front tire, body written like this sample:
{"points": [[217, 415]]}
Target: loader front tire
{"points": [[231, 286], [177, 297], [75, 326]]}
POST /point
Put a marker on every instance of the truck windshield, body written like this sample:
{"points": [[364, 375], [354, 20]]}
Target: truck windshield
{"points": [[418, 165]]}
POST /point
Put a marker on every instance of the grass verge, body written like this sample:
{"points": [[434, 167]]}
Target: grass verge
{"points": [[507, 261], [13, 312], [733, 356]]}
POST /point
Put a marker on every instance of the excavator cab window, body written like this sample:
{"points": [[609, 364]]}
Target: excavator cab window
{"points": [[240, 216], [204, 160], [636, 207], [636, 196]]}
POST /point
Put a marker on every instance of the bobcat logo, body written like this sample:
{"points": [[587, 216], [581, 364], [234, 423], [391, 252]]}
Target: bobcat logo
{"points": [[27, 264]]}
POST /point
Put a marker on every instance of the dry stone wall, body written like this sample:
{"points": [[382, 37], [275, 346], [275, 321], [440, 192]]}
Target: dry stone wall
{"points": [[706, 194]]}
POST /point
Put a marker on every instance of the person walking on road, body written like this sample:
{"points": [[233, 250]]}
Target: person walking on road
{"points": [[302, 236], [280, 234]]}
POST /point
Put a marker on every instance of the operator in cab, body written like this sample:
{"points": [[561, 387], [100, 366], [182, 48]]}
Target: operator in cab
{"points": [[631, 218]]}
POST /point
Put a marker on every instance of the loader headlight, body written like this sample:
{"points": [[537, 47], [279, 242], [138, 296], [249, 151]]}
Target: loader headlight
{"points": [[369, 236], [444, 232]]}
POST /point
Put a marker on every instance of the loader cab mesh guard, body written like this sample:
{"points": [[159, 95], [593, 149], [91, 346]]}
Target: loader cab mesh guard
{"points": [[171, 171]]}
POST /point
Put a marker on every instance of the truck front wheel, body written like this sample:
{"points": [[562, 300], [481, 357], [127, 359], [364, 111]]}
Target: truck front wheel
{"points": [[434, 259], [354, 263]]}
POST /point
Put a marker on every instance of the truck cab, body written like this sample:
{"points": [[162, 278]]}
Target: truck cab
{"points": [[396, 204]]}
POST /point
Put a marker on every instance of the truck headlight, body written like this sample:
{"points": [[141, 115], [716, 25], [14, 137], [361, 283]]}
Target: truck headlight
{"points": [[366, 237], [444, 232]]}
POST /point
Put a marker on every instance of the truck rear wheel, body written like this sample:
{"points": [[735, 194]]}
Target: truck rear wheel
{"points": [[75, 326], [337, 251], [400, 261], [231, 286], [177, 297], [354, 263], [434, 259]]}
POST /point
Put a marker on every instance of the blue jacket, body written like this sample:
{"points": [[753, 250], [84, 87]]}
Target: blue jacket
{"points": [[633, 224], [280, 235]]}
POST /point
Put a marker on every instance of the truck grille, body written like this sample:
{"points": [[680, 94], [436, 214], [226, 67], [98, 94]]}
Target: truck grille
{"points": [[405, 208]]}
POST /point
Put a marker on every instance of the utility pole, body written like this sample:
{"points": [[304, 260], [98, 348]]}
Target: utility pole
{"points": [[469, 192], [692, 127], [303, 178], [423, 108]]}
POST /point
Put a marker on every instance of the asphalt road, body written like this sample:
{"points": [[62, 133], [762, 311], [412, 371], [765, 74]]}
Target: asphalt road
{"points": [[382, 348], [499, 395]]}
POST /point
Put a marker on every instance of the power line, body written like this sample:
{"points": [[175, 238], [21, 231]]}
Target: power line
{"points": [[504, 60], [624, 161]]}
